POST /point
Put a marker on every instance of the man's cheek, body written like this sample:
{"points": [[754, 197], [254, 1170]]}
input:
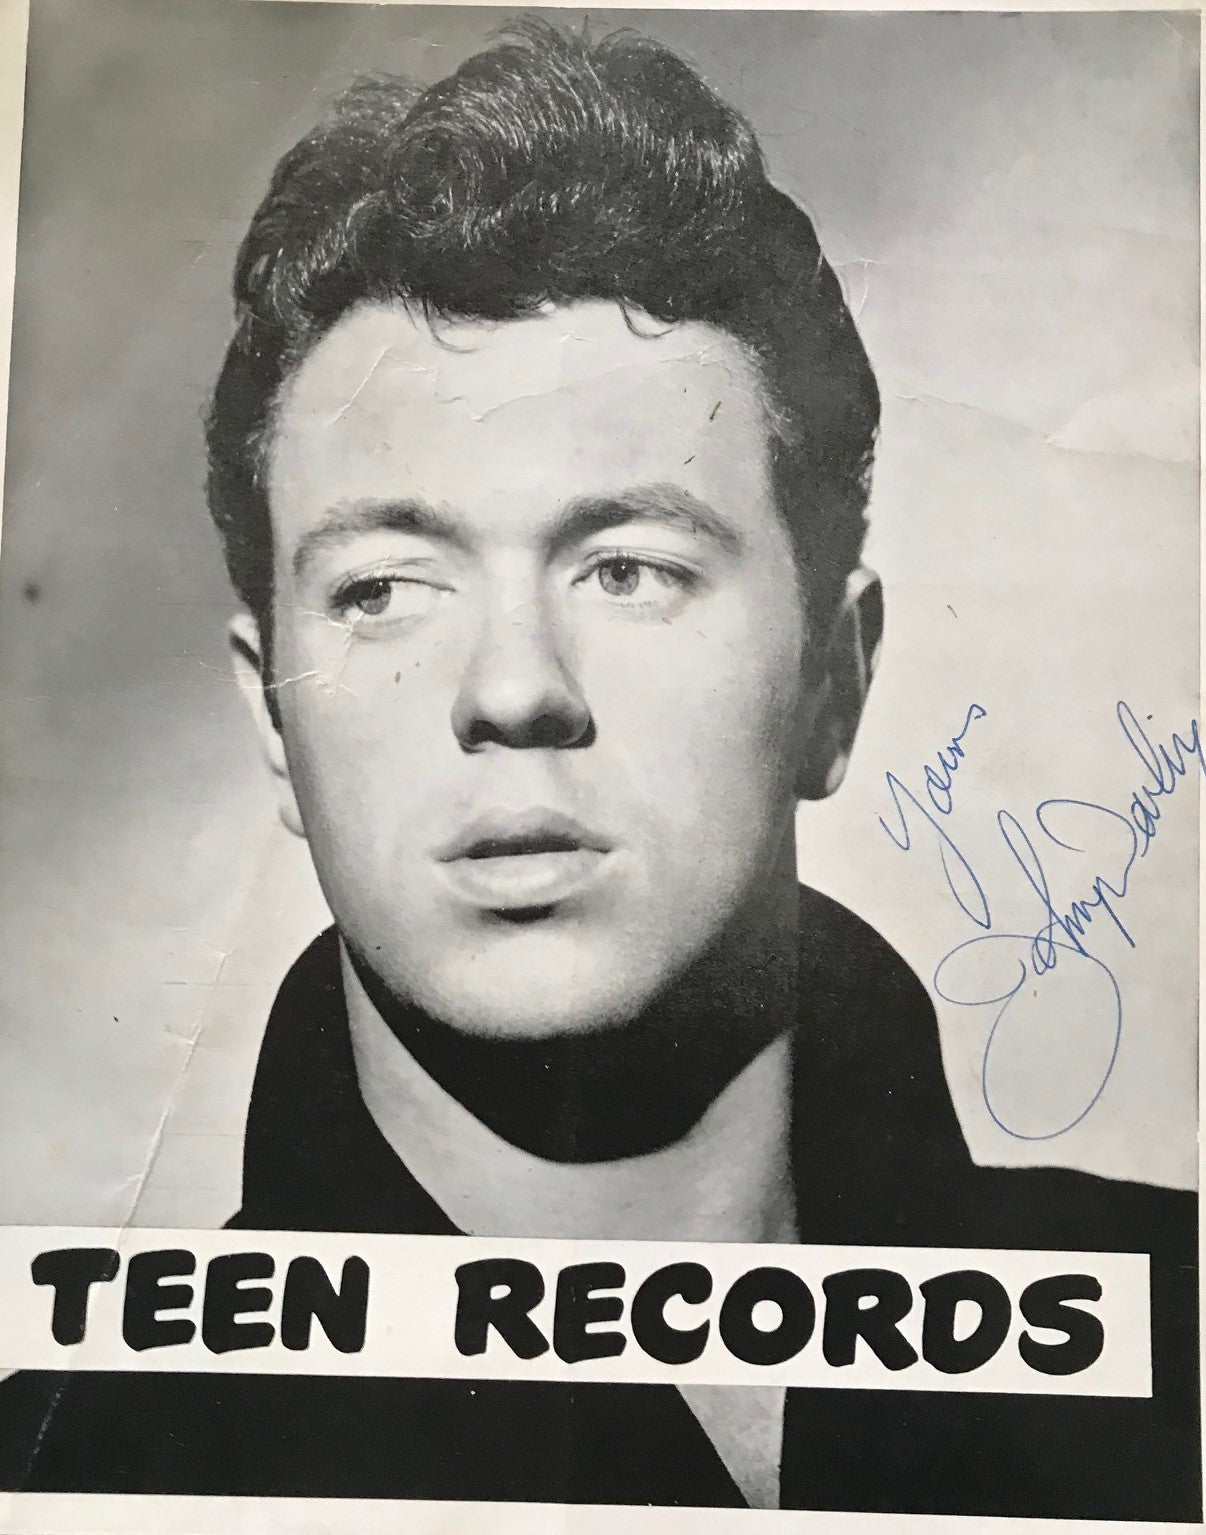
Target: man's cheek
{"points": [[726, 742]]}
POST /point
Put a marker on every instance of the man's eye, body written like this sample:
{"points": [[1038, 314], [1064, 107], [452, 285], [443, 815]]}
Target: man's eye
{"points": [[619, 577], [385, 597], [635, 581], [370, 597]]}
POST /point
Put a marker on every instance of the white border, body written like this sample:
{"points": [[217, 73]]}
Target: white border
{"points": [[111, 1514], [54, 1514], [14, 33]]}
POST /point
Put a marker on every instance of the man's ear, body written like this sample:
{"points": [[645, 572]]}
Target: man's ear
{"points": [[843, 670], [247, 652]]}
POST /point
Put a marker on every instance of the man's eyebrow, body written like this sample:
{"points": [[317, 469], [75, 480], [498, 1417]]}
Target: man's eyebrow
{"points": [[671, 505], [354, 517]]}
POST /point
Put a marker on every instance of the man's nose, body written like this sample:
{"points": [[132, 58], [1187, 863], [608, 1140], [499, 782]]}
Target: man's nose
{"points": [[519, 689]]}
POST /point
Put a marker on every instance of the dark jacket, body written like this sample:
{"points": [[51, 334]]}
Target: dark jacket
{"points": [[878, 1159]]}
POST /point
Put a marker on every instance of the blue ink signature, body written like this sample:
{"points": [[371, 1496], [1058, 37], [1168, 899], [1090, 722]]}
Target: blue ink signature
{"points": [[960, 876], [1060, 939]]}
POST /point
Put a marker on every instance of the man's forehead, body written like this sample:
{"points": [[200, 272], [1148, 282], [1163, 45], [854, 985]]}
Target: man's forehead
{"points": [[515, 415], [382, 357]]}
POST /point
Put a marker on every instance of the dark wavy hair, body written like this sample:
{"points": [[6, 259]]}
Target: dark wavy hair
{"points": [[549, 168]]}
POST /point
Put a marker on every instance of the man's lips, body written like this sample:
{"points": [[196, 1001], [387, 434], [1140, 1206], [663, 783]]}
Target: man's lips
{"points": [[515, 861], [520, 833]]}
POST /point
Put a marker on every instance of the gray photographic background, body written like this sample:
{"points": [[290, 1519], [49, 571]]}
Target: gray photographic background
{"points": [[1012, 203]]}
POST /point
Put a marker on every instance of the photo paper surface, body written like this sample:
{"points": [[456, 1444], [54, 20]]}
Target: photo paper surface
{"points": [[599, 655]]}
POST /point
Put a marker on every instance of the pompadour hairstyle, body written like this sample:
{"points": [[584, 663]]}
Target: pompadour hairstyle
{"points": [[549, 168]]}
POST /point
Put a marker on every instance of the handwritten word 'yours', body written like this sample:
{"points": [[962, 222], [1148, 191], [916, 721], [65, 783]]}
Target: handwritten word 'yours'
{"points": [[960, 876]]}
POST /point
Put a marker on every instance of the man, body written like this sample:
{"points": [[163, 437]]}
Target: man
{"points": [[541, 456]]}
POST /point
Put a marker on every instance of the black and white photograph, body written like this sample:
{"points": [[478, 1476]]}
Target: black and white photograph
{"points": [[600, 768]]}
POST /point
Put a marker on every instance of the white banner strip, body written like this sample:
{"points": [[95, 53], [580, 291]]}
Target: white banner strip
{"points": [[908, 1318]]}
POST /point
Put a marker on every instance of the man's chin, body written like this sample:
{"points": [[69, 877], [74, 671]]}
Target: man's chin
{"points": [[532, 981], [539, 1016], [552, 995]]}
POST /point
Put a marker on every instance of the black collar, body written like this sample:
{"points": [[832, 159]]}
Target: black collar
{"points": [[873, 1125]]}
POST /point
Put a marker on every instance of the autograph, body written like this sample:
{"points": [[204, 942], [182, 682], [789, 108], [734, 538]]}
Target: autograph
{"points": [[1061, 938], [960, 876]]}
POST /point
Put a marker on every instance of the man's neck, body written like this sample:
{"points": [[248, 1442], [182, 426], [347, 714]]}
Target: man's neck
{"points": [[676, 1127], [728, 1179]]}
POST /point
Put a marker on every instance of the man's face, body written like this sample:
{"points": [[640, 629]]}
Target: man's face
{"points": [[538, 655]]}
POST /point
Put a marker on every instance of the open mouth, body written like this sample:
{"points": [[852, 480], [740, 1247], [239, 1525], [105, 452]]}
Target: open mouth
{"points": [[522, 862], [523, 846]]}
